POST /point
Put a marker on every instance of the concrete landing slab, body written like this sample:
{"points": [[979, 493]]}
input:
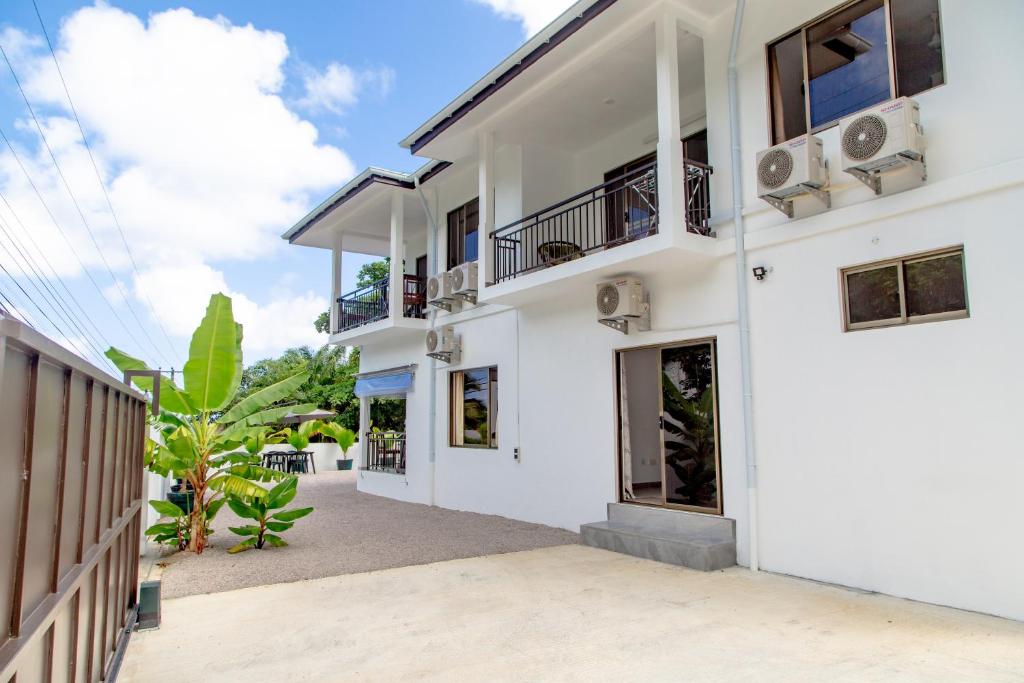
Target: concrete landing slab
{"points": [[567, 613]]}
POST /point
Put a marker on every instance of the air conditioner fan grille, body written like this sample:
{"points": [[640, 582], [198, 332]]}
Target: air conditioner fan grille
{"points": [[775, 168], [608, 299], [433, 288], [864, 137], [431, 340]]}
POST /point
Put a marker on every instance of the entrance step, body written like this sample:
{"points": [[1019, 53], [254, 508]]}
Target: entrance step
{"points": [[687, 539]]}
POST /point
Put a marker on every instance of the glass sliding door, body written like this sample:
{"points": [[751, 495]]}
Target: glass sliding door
{"points": [[689, 427]]}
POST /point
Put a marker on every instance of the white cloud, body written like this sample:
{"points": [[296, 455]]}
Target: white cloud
{"points": [[339, 86], [181, 292], [532, 14], [203, 159]]}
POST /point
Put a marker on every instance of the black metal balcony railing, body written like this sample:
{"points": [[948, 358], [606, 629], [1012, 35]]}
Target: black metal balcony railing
{"points": [[385, 451], [370, 303], [621, 210]]}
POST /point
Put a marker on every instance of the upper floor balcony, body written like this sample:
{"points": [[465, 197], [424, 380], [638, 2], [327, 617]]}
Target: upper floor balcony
{"points": [[616, 212], [372, 303], [592, 150], [378, 213]]}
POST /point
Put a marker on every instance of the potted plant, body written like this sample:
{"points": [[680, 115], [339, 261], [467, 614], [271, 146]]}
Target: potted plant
{"points": [[344, 437]]}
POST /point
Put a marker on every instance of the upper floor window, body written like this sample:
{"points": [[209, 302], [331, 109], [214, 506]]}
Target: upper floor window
{"points": [[905, 290], [863, 53], [463, 233]]}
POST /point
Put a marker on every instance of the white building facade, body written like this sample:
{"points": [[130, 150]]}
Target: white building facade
{"points": [[876, 448]]}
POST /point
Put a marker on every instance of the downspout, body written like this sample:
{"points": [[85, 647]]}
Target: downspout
{"points": [[743, 315], [432, 410]]}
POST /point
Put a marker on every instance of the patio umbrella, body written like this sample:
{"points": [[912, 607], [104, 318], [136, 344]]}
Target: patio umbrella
{"points": [[318, 414]]}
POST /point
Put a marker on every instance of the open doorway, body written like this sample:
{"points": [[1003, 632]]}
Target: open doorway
{"points": [[668, 426]]}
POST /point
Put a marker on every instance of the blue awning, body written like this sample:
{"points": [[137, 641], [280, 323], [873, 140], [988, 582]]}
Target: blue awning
{"points": [[396, 384]]}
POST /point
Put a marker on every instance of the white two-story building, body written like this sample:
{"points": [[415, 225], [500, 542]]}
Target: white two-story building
{"points": [[804, 361]]}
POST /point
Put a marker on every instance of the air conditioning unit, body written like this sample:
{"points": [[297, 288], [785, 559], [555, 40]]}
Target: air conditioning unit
{"points": [[794, 168], [883, 138], [444, 344], [439, 291], [622, 301], [464, 281]]}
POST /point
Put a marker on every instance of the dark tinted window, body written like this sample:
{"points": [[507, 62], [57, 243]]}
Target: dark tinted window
{"points": [[918, 39], [786, 78], [463, 238], [873, 295], [906, 290], [935, 285]]}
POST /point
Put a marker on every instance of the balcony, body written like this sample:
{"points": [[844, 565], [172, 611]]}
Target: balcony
{"points": [[617, 212], [385, 452], [371, 304]]}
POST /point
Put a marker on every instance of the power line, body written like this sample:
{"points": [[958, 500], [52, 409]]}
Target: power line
{"points": [[99, 177], [78, 208], [65, 313], [67, 240], [42, 254], [54, 325]]}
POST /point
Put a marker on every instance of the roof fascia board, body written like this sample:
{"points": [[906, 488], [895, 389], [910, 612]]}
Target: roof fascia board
{"points": [[520, 60]]}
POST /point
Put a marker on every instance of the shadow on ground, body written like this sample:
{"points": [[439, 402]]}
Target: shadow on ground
{"points": [[350, 532]]}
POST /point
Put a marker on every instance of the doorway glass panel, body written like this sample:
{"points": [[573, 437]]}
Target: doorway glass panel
{"points": [[689, 427]]}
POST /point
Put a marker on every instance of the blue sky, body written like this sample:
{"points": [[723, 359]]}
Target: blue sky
{"points": [[215, 126]]}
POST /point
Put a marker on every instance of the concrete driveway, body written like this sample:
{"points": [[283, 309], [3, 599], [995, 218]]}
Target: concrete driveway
{"points": [[567, 613]]}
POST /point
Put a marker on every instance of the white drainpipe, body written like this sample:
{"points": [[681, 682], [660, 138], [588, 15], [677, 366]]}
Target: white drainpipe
{"points": [[741, 287], [432, 313]]}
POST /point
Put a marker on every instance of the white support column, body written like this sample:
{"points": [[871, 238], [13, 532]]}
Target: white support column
{"points": [[671, 199], [485, 146], [336, 254], [364, 428], [395, 289]]}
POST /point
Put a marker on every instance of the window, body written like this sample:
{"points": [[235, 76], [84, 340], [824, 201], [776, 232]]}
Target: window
{"points": [[907, 290], [474, 408], [863, 53], [463, 234]]}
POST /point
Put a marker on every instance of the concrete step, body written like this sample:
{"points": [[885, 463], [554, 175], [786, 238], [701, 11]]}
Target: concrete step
{"points": [[702, 542]]}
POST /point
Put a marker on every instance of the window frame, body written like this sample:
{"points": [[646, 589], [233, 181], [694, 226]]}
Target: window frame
{"points": [[802, 31], [459, 244], [492, 409], [901, 263]]}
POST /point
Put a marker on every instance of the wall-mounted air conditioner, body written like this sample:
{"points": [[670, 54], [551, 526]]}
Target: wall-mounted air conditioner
{"points": [[439, 291], [623, 301], [464, 281], [795, 168], [881, 139], [444, 344]]}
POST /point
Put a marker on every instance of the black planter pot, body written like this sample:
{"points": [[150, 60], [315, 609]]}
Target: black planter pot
{"points": [[344, 464], [182, 500]]}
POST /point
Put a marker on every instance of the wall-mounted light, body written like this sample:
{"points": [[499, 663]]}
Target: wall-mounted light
{"points": [[761, 272]]}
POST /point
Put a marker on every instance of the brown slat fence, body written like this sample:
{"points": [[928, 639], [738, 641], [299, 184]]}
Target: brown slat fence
{"points": [[71, 487]]}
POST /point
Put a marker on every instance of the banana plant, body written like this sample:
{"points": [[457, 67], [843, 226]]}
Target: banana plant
{"points": [[298, 438], [196, 441], [267, 523], [343, 436]]}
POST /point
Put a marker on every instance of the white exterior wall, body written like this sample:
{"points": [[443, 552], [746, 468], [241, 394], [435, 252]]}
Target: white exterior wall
{"points": [[888, 458]]}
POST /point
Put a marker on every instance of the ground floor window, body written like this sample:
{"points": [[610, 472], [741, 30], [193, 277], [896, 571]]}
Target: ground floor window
{"points": [[474, 408], [911, 289]]}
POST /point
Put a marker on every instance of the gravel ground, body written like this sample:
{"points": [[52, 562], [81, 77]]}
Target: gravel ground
{"points": [[347, 533]]}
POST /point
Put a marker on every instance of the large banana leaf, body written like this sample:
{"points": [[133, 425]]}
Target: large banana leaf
{"points": [[271, 415], [283, 493], [263, 398], [291, 515], [236, 486], [171, 397], [211, 375]]}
